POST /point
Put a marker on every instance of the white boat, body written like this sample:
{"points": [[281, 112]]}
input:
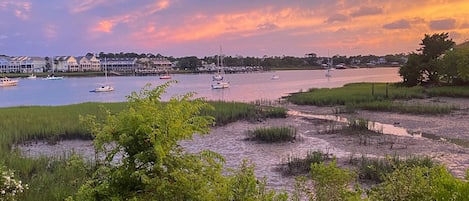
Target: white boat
{"points": [[220, 85], [165, 76], [217, 80], [32, 76], [217, 77], [53, 77], [104, 87], [6, 82], [275, 77]]}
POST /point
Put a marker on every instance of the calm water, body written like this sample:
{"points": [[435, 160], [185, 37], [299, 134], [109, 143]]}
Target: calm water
{"points": [[243, 87]]}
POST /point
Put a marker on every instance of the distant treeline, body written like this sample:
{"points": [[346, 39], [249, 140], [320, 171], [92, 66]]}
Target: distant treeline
{"points": [[309, 60]]}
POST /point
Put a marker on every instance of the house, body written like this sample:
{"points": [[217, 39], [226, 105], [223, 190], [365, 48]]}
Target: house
{"points": [[122, 65], [4, 64], [25, 64], [88, 64], [66, 64], [95, 64]]}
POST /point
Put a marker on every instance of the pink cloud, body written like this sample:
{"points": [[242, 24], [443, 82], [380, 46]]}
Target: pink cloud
{"points": [[104, 26]]}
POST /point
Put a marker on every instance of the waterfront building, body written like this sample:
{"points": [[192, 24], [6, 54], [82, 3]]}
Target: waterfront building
{"points": [[66, 64], [26, 64]]}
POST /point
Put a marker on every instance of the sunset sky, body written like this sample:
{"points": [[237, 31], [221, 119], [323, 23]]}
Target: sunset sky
{"points": [[248, 28]]}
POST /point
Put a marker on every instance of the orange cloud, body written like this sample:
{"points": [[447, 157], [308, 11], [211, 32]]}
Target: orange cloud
{"points": [[104, 26]]}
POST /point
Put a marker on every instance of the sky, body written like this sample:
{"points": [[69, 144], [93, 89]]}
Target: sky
{"points": [[254, 28]]}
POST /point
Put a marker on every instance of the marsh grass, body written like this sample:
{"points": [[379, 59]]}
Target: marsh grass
{"points": [[273, 134], [355, 93], [379, 97], [374, 169], [295, 165], [449, 91], [228, 112], [25, 123], [391, 106]]}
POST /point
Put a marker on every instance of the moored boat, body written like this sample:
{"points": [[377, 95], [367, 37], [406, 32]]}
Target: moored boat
{"points": [[103, 88], [53, 77], [220, 85], [32, 76], [6, 82]]}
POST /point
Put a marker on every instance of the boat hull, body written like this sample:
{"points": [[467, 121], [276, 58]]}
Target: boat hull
{"points": [[7, 82], [103, 89], [220, 85]]}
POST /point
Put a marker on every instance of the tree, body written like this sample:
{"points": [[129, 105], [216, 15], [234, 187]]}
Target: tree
{"points": [[191, 63], [432, 48], [425, 67], [456, 65], [410, 72]]}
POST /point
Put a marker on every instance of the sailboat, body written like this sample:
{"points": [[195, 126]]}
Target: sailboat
{"points": [[217, 79], [53, 77], [105, 87], [329, 68], [165, 76]]}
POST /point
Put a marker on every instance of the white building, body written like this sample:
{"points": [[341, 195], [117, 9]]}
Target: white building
{"points": [[65, 64], [88, 64], [24, 64]]}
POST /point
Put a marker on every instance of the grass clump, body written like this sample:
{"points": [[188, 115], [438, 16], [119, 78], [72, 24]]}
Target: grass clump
{"points": [[228, 112], [374, 169], [273, 134], [296, 165]]}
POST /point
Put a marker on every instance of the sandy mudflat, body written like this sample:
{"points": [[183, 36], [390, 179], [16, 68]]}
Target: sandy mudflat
{"points": [[444, 130]]}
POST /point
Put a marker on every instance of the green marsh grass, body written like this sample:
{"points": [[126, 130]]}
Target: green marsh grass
{"points": [[379, 97], [228, 112], [296, 165], [374, 169], [355, 93], [449, 91], [273, 134]]}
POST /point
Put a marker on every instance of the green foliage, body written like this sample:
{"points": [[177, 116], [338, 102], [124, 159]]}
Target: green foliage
{"points": [[296, 165], [244, 186], [332, 183], [410, 72], [273, 134], [375, 168], [426, 67], [142, 156], [420, 183], [144, 162]]}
